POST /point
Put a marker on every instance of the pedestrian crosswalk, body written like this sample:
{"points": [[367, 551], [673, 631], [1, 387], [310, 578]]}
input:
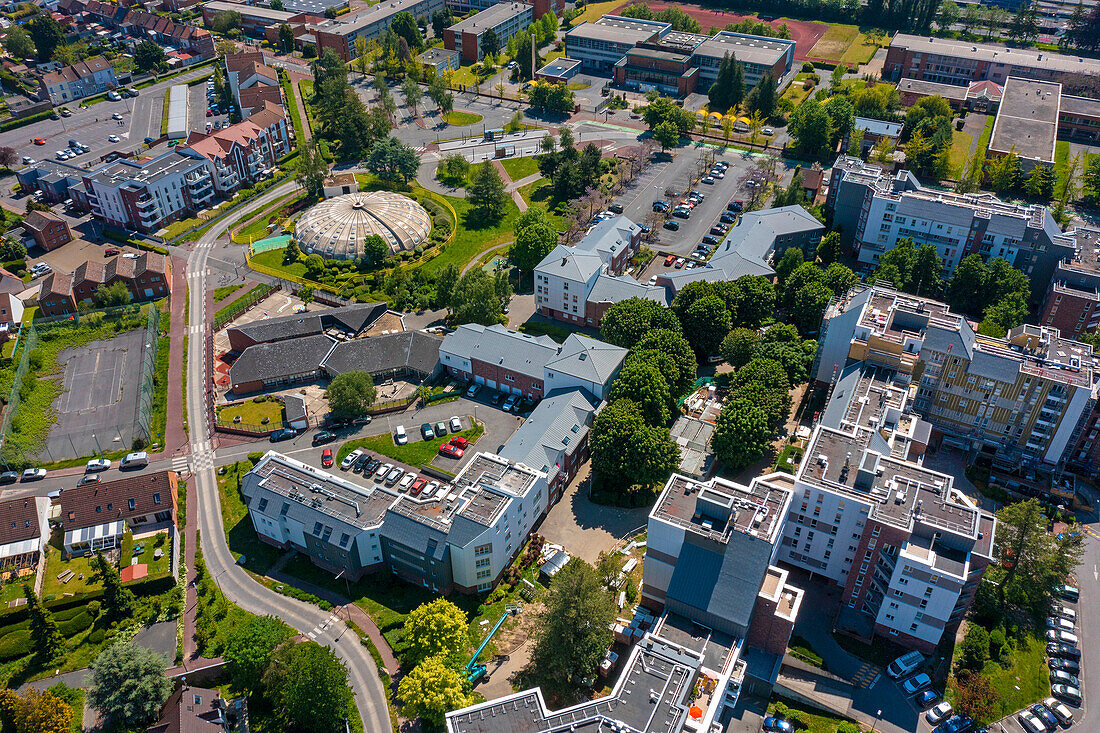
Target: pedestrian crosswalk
{"points": [[202, 461], [180, 464], [320, 628]]}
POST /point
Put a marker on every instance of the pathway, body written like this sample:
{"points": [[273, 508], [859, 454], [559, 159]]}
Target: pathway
{"points": [[295, 77], [175, 432], [509, 185]]}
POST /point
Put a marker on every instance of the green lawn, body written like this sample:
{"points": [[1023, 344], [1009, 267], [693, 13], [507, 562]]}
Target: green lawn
{"points": [[804, 720], [835, 43], [1020, 681], [576, 86], [983, 139], [469, 242], [860, 52], [1061, 159], [417, 454], [595, 11], [960, 149], [254, 411], [292, 108], [796, 92], [54, 588], [225, 291], [538, 328], [520, 167], [238, 303], [458, 118], [239, 532], [273, 258]]}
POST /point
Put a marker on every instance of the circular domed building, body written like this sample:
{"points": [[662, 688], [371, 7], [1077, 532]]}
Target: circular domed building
{"points": [[335, 228]]}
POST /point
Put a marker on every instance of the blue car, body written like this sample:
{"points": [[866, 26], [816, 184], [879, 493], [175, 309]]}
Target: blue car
{"points": [[956, 724], [926, 698], [772, 723]]}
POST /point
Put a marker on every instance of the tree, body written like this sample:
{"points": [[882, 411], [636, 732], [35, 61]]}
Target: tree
{"points": [[739, 346], [774, 403], [626, 452], [18, 43], [47, 638], [431, 690], [667, 134], [404, 25], [971, 17], [11, 249], [535, 236], [755, 296], [741, 434], [964, 291], [311, 169], [351, 394], [454, 170], [802, 275], [226, 22], [643, 384], [47, 35], [441, 21], [1003, 172], [1025, 23], [435, 630], [572, 632], [375, 250], [729, 86], [477, 298], [974, 649], [490, 44], [669, 342], [762, 97], [1034, 560], [109, 296], [445, 285], [486, 195], [975, 696], [947, 15], [527, 65], [35, 711], [1039, 183], [286, 38], [249, 647], [118, 601], [410, 88], [625, 323], [808, 306], [809, 127], [828, 250], [392, 159], [1008, 313], [553, 98], [706, 322], [791, 259], [149, 56], [307, 685], [128, 684]]}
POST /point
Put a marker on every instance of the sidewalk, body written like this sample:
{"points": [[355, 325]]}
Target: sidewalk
{"points": [[509, 185], [175, 435]]}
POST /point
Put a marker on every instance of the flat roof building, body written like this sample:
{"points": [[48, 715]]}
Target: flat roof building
{"points": [[600, 45], [369, 23], [1027, 122], [504, 19]]}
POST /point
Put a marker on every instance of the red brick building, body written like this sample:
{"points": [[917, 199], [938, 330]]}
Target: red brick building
{"points": [[49, 230], [146, 276]]}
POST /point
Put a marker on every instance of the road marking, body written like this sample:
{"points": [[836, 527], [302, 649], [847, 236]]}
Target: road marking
{"points": [[180, 463], [311, 635]]}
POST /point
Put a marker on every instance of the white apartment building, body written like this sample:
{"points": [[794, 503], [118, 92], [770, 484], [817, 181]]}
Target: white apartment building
{"points": [[148, 196]]}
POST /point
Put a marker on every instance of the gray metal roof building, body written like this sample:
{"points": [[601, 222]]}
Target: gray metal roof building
{"points": [[406, 351], [554, 428]]}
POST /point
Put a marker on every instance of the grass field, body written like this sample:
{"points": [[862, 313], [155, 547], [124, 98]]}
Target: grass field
{"points": [[983, 139], [835, 43], [576, 86], [252, 412], [460, 119], [520, 167], [796, 91], [804, 720], [225, 291], [1061, 159], [960, 148], [595, 11], [468, 242], [414, 454]]}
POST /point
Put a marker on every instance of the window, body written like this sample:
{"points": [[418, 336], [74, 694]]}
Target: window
{"points": [[482, 563], [483, 574], [262, 505], [156, 499], [131, 503], [483, 550], [344, 538], [317, 528]]}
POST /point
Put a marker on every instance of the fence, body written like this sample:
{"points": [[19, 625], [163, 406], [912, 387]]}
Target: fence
{"points": [[243, 303], [99, 437]]}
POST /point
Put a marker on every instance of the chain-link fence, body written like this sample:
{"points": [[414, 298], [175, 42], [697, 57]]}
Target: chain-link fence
{"points": [[105, 382]]}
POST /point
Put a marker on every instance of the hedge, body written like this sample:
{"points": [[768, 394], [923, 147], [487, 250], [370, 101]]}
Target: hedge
{"points": [[16, 644], [154, 585], [23, 121], [75, 625]]}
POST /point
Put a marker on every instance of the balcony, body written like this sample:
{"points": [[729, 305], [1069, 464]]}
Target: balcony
{"points": [[146, 204]]}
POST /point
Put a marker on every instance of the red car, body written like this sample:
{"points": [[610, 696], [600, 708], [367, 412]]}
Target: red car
{"points": [[418, 486], [111, 251], [450, 450], [326, 458], [40, 141], [460, 442]]}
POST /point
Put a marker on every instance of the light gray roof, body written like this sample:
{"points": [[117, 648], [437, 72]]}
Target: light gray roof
{"points": [[937, 338], [491, 17], [984, 364], [517, 352], [877, 127], [571, 263], [702, 581], [992, 53], [612, 289], [295, 407], [555, 427], [414, 349], [587, 359], [408, 532], [608, 237]]}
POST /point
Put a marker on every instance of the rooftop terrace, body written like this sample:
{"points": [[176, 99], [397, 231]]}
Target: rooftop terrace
{"points": [[718, 507]]}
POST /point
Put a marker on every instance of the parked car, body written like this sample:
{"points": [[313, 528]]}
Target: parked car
{"points": [[927, 698], [33, 474], [138, 459], [682, 213], [39, 141], [1062, 637], [450, 450], [1066, 665], [1056, 622], [111, 251], [615, 208], [1058, 677], [440, 429], [957, 724], [361, 463], [672, 225], [680, 262], [1068, 593], [710, 239], [939, 713], [1061, 611], [460, 441], [709, 180], [97, 464], [727, 217], [916, 684], [670, 259], [904, 664], [430, 489], [89, 478], [456, 424], [472, 390], [1064, 651], [407, 481], [9, 477], [383, 471], [510, 403], [326, 458], [1068, 693], [426, 431], [400, 437], [1043, 713], [1030, 723], [394, 476], [772, 723], [351, 458], [718, 230], [282, 434], [323, 436], [417, 486], [116, 116], [1065, 717], [660, 206], [736, 205], [113, 138]]}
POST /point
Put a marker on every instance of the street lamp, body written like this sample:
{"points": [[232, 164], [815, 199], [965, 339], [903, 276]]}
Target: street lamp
{"points": [[874, 727]]}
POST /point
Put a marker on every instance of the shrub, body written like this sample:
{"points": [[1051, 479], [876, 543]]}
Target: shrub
{"points": [[847, 726], [16, 644], [74, 626], [97, 636], [255, 457], [95, 606]]}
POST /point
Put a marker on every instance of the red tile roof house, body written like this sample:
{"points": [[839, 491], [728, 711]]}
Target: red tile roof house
{"points": [[146, 276], [200, 710], [95, 516], [48, 229], [243, 153], [24, 532]]}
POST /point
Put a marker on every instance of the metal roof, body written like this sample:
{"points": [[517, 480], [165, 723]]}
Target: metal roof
{"points": [[588, 359], [556, 426]]}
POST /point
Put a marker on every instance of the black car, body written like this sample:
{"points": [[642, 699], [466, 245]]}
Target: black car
{"points": [[360, 462], [283, 434], [323, 437], [1065, 665], [644, 228], [615, 208], [956, 724], [728, 217], [711, 239], [682, 213], [1044, 714], [660, 206], [1065, 651], [9, 477], [718, 230], [736, 205], [673, 225]]}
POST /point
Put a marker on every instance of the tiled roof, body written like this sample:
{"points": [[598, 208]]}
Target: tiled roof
{"points": [[39, 220], [92, 504], [19, 520]]}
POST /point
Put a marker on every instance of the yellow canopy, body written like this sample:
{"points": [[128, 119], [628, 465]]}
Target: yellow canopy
{"points": [[716, 115]]}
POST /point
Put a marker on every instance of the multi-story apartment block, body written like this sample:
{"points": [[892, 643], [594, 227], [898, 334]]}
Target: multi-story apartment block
{"points": [[370, 24], [530, 366], [578, 284], [907, 549], [461, 538], [255, 19], [599, 46], [56, 179], [82, 79], [950, 61], [251, 81], [724, 618], [874, 210], [148, 196], [1021, 402], [504, 19], [244, 153], [1072, 301], [146, 276], [462, 7]]}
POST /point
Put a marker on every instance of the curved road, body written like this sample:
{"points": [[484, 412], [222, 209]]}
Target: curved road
{"points": [[237, 585]]}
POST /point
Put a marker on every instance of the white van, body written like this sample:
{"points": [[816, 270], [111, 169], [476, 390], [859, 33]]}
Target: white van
{"points": [[140, 459], [400, 437]]}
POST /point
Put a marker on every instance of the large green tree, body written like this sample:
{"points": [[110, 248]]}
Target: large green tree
{"points": [[774, 403], [150, 57], [18, 43], [536, 237], [479, 297], [351, 394], [671, 342], [47, 35], [249, 647], [436, 629], [626, 322], [391, 159], [706, 322], [486, 195], [809, 305], [404, 25], [431, 690], [307, 685], [643, 384], [118, 601], [627, 452], [572, 632], [128, 685], [741, 434], [1034, 560], [739, 346], [310, 169]]}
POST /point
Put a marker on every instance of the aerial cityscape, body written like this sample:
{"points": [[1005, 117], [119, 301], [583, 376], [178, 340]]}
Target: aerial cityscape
{"points": [[532, 366]]}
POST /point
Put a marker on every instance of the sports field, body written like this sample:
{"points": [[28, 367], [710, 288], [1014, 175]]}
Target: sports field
{"points": [[804, 33], [843, 44]]}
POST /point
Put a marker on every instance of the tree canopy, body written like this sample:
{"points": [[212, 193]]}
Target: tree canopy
{"points": [[536, 237], [436, 629], [307, 685], [351, 394], [486, 195], [627, 452], [128, 684], [249, 647], [741, 434], [392, 159], [431, 690], [626, 322], [1034, 560]]}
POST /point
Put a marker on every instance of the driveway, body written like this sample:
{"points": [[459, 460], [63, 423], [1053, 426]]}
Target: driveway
{"points": [[586, 529]]}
